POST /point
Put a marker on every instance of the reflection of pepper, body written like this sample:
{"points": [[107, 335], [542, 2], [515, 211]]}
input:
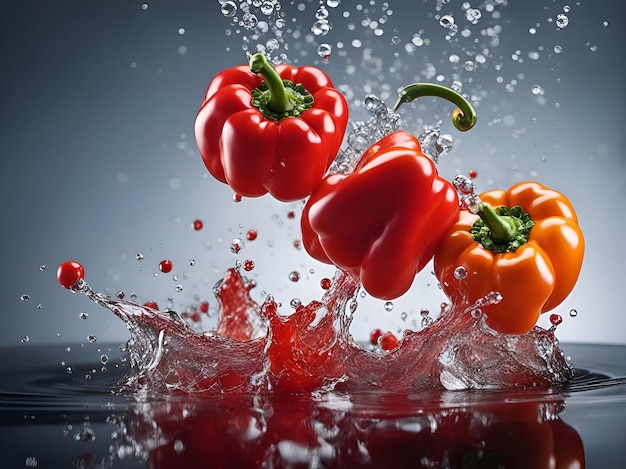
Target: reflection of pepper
{"points": [[383, 221], [531, 254], [263, 130]]}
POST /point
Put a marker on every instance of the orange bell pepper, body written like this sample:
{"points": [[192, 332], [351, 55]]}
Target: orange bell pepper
{"points": [[531, 254]]}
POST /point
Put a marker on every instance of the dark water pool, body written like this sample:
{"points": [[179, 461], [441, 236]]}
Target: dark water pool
{"points": [[59, 409]]}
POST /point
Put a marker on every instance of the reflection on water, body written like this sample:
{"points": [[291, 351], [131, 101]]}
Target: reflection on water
{"points": [[55, 418]]}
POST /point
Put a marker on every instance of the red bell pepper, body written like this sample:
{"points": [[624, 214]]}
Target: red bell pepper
{"points": [[263, 130], [383, 221]]}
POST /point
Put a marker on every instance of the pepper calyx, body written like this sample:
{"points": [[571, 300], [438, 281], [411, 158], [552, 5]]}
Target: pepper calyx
{"points": [[276, 98], [502, 229]]}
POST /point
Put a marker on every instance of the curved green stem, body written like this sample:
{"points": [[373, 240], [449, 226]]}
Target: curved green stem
{"points": [[280, 97], [502, 228], [463, 118]]}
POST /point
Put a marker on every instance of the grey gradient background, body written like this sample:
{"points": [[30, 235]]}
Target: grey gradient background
{"points": [[99, 163]]}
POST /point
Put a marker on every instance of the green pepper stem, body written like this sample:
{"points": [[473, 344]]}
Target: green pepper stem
{"points": [[280, 97], [463, 118], [503, 228]]}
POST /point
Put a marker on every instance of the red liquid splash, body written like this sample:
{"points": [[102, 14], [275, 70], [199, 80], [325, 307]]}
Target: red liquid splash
{"points": [[255, 349]]}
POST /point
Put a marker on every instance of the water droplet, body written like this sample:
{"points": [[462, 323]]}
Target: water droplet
{"points": [[120, 295], [562, 21], [32, 461], [446, 21], [295, 303], [92, 339], [460, 273], [139, 256], [249, 20], [85, 435], [229, 9], [473, 15], [104, 359], [333, 3], [320, 28], [424, 312], [537, 90], [463, 184], [25, 339], [573, 313], [404, 315], [179, 446], [388, 306], [83, 315], [566, 8], [605, 23], [178, 288], [427, 321], [42, 267], [321, 13], [236, 246], [267, 8], [324, 50], [294, 276], [25, 297], [476, 313], [558, 49], [144, 6]]}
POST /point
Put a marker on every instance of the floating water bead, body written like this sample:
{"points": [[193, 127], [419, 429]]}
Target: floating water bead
{"points": [[573, 313], [562, 21], [236, 246], [324, 50], [388, 306], [228, 9]]}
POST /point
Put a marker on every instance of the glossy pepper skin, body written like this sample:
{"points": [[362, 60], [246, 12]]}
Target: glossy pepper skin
{"points": [[533, 279], [284, 146], [382, 222]]}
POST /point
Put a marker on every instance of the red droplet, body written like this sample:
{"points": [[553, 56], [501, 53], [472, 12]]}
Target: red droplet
{"points": [[195, 316], [204, 307], [151, 304], [291, 214], [69, 273], [388, 341], [325, 283], [251, 235], [248, 265], [297, 244], [443, 306], [237, 197], [472, 173], [165, 266], [375, 336], [197, 225], [294, 276], [555, 319]]}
